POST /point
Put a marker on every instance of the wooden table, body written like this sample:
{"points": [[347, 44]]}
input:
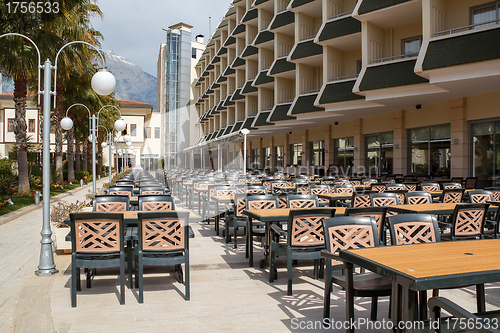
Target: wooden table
{"points": [[269, 216], [432, 208], [413, 268], [334, 197], [220, 199]]}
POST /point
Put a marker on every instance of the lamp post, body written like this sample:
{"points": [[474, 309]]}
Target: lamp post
{"points": [[245, 132], [104, 145], [103, 83]]}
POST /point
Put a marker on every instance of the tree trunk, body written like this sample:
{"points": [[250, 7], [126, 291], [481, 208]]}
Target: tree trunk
{"points": [[85, 155], [20, 92], [56, 120], [71, 155], [78, 165]]}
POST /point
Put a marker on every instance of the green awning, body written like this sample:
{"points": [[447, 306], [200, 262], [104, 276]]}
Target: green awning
{"points": [[283, 19], [280, 112], [306, 49], [250, 15], [339, 92], [238, 62], [262, 78], [248, 123], [230, 41], [371, 5], [230, 11], [237, 126], [305, 104], [229, 71], [228, 129], [264, 36], [237, 96], [228, 101], [249, 51], [297, 3], [338, 28], [239, 29], [395, 74], [280, 66], [248, 88], [261, 119]]}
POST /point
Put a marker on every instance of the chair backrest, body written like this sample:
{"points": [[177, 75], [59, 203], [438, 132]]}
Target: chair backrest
{"points": [[430, 187], [262, 202], [411, 187], [480, 196], [125, 182], [417, 198], [343, 188], [97, 233], [111, 203], [470, 182], [495, 192], [369, 181], [378, 213], [121, 190], [452, 196], [355, 182], [282, 203], [296, 201], [220, 190], [458, 180], [408, 229], [468, 221], [341, 181], [378, 187], [362, 200], [396, 187], [408, 178], [239, 204], [302, 188], [384, 199], [151, 190], [350, 232], [156, 203], [163, 231], [451, 186], [328, 180], [276, 185], [256, 189], [305, 227]]}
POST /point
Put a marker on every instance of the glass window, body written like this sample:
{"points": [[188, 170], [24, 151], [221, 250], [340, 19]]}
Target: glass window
{"points": [[148, 132], [379, 153], [411, 46], [430, 150], [280, 152], [266, 152], [11, 125], [193, 52], [157, 132], [133, 129], [317, 153], [343, 156], [488, 14], [485, 152], [296, 154], [31, 125]]}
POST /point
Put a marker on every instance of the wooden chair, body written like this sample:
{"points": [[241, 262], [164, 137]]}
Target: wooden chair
{"points": [[495, 192], [466, 222], [121, 190], [259, 202], [351, 232], [417, 198], [452, 196], [163, 241], [156, 203], [111, 203], [430, 187], [378, 213], [480, 196], [320, 189], [235, 218], [152, 190], [304, 240], [300, 201], [97, 241], [361, 200]]}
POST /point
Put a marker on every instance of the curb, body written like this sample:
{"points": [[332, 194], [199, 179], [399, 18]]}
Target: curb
{"points": [[28, 209]]}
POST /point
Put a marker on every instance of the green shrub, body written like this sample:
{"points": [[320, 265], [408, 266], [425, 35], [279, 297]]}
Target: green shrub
{"points": [[7, 178]]}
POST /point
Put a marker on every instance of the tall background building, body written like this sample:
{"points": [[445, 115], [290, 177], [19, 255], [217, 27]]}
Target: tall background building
{"points": [[175, 75]]}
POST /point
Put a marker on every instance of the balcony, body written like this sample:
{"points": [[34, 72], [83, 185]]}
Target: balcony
{"points": [[305, 103], [230, 41], [238, 62], [229, 71], [237, 127], [228, 130], [261, 119], [389, 13], [249, 89], [280, 113], [366, 6], [250, 15], [343, 34], [265, 39], [237, 95], [250, 52], [311, 8], [283, 23], [263, 80], [228, 101], [339, 90], [221, 51], [282, 68], [307, 52], [240, 28]]}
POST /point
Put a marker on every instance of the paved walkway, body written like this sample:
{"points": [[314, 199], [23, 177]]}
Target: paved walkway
{"points": [[226, 295]]}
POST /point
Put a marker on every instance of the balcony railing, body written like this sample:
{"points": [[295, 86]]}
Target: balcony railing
{"points": [[284, 55], [307, 38], [339, 15], [466, 28], [312, 91], [345, 77], [397, 57], [267, 109], [286, 101]]}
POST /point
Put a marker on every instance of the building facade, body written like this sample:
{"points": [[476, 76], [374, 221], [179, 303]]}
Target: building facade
{"points": [[346, 86], [175, 76]]}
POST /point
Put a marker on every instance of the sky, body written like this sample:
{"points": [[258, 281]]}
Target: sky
{"points": [[133, 28]]}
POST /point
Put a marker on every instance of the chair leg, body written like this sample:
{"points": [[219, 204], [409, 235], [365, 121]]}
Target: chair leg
{"points": [[235, 233], [272, 256], [180, 275], [374, 308], [186, 282], [141, 277], [328, 291], [289, 271], [122, 278], [74, 272]]}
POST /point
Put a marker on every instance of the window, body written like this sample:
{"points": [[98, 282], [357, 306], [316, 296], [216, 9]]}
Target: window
{"points": [[296, 153], [485, 151], [359, 66], [317, 153], [379, 153], [133, 128], [266, 152], [31, 126], [343, 156], [148, 132], [429, 152], [280, 152], [255, 158], [487, 14], [411, 46], [193, 53], [157, 132], [11, 125]]}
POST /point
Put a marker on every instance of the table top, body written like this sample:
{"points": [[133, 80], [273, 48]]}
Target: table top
{"points": [[223, 198], [336, 195], [432, 265], [431, 208], [280, 213], [132, 214]]}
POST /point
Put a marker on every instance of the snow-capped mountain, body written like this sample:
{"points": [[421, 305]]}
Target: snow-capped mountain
{"points": [[132, 83]]}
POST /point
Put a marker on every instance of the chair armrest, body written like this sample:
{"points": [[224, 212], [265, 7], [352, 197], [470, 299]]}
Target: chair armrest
{"points": [[278, 230], [329, 255]]}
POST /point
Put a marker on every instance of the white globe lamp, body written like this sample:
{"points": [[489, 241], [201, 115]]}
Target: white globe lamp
{"points": [[90, 137], [120, 125], [104, 145], [129, 143], [103, 82], [127, 138], [66, 123]]}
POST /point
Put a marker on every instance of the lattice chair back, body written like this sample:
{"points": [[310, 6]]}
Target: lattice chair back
{"points": [[406, 229], [470, 182], [411, 187], [277, 185], [388, 181], [452, 186], [369, 181], [396, 187], [305, 227], [267, 184], [320, 189], [111, 203], [378, 187], [495, 192], [343, 188], [361, 200], [378, 213], [240, 205], [156, 203], [163, 232], [458, 180], [262, 202], [282, 201], [256, 189], [408, 179], [482, 196], [355, 182], [153, 190], [302, 188], [384, 199], [328, 180], [468, 221], [350, 232], [97, 233], [421, 179], [121, 190], [418, 198], [299, 201], [341, 181], [452, 196], [430, 187]]}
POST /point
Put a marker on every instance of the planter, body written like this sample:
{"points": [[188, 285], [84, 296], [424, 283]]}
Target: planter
{"points": [[61, 243]]}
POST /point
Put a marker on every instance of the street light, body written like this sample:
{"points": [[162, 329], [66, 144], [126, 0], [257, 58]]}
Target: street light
{"points": [[67, 124], [104, 85], [245, 132], [104, 145]]}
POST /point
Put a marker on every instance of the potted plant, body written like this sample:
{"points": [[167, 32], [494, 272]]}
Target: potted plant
{"points": [[59, 212]]}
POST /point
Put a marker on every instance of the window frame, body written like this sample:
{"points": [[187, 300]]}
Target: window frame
{"points": [[13, 125], [147, 132], [157, 131], [31, 121], [134, 131], [484, 5], [410, 39]]}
